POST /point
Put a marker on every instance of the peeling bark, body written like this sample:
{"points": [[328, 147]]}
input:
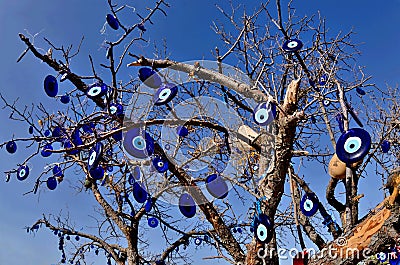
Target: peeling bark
{"points": [[374, 233]]}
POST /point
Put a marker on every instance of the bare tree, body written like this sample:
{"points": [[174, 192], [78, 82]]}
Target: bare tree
{"points": [[184, 134]]}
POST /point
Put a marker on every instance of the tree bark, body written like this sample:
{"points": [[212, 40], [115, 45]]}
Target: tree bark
{"points": [[376, 232], [272, 186]]}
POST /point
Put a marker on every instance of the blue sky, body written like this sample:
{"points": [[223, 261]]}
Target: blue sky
{"points": [[189, 37]]}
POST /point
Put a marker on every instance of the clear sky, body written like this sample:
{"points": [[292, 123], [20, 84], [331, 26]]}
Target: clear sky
{"points": [[189, 37]]}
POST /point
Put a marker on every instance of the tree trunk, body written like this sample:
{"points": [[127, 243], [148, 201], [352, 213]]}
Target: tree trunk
{"points": [[132, 250], [272, 186]]}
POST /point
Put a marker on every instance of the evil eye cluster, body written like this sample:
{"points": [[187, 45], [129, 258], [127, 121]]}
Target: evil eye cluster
{"points": [[353, 145], [204, 138], [59, 134], [208, 142]]}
